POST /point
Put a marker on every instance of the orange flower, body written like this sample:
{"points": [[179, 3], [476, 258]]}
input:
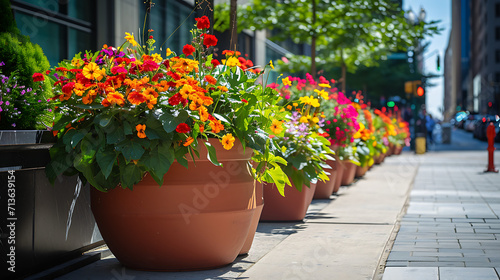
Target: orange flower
{"points": [[196, 104], [228, 141], [222, 88], [115, 98], [211, 80], [136, 98], [276, 127], [141, 130], [203, 113], [216, 126], [188, 142]]}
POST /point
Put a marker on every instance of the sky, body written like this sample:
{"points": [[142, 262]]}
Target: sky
{"points": [[435, 10]]}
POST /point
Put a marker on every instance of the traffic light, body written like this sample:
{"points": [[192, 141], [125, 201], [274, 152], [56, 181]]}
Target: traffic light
{"points": [[438, 63], [390, 104], [420, 91]]}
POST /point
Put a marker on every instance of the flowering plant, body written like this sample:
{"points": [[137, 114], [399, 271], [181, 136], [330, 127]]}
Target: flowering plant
{"points": [[127, 111], [303, 145], [22, 107]]}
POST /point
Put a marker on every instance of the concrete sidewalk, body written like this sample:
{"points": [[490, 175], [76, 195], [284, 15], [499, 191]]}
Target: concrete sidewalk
{"points": [[451, 229], [341, 238]]}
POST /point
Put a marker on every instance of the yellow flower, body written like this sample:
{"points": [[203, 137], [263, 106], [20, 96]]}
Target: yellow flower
{"points": [[276, 127], [91, 71], [232, 61], [324, 85], [76, 62], [303, 119], [309, 100], [141, 130], [228, 141], [295, 104], [286, 81], [315, 120], [322, 93], [169, 52], [130, 39], [271, 64], [157, 57]]}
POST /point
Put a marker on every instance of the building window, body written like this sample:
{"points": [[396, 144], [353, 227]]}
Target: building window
{"points": [[497, 33], [497, 77], [61, 28], [497, 10], [168, 17], [497, 56]]}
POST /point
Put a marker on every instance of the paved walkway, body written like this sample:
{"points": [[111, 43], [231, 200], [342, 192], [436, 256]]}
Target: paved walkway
{"points": [[452, 228], [341, 238], [432, 216]]}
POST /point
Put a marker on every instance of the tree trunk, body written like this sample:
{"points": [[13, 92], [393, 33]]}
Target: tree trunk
{"points": [[313, 42], [313, 57], [233, 24], [344, 67]]}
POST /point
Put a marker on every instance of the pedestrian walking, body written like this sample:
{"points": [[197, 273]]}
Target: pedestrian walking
{"points": [[430, 124]]}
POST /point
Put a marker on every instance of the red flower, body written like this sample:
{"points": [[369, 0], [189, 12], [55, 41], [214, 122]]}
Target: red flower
{"points": [[68, 88], [118, 69], [157, 77], [174, 76], [244, 100], [202, 22], [215, 62], [188, 50], [209, 40], [38, 77], [175, 99], [149, 66], [183, 128]]}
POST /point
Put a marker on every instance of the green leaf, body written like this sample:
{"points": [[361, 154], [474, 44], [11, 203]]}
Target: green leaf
{"points": [[105, 160], [77, 137], [180, 157], [279, 178], [88, 148], [160, 159], [170, 122], [89, 107], [127, 128], [130, 175], [212, 157], [115, 136], [132, 150], [62, 122]]}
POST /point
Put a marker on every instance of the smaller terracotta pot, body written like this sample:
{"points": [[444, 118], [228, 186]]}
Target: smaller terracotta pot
{"points": [[390, 150], [259, 204], [398, 149], [379, 159], [360, 171], [349, 173], [325, 189], [291, 207], [338, 177]]}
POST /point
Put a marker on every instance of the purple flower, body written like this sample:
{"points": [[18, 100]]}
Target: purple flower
{"points": [[23, 92], [2, 63], [1, 102], [13, 125], [39, 100], [7, 103]]}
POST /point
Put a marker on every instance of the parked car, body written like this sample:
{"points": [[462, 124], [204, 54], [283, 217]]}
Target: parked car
{"points": [[470, 122], [482, 124]]}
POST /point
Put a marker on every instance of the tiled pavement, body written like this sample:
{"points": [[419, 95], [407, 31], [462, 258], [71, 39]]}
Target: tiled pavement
{"points": [[452, 228]]}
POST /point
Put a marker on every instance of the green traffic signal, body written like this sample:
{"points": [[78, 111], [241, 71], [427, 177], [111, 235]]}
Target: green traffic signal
{"points": [[390, 104], [438, 63]]}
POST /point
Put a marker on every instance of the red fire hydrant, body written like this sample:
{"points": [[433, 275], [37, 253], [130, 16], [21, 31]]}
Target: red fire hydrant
{"points": [[490, 134]]}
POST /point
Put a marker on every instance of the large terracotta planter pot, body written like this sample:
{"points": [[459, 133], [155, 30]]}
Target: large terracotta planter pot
{"points": [[325, 189], [338, 178], [349, 173], [398, 149], [390, 150], [360, 171], [259, 204], [379, 159], [198, 219], [292, 207]]}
